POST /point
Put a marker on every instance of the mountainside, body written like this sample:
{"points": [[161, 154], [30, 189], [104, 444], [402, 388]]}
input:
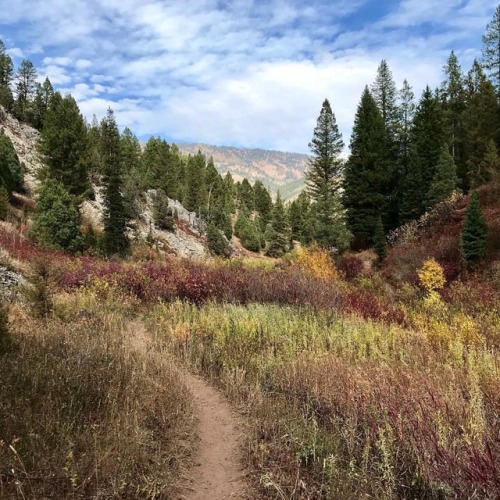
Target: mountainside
{"points": [[276, 169]]}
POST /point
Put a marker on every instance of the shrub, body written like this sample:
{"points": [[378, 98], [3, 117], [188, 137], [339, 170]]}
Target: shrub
{"points": [[4, 203], [431, 276], [316, 262], [350, 266], [162, 214], [39, 293]]}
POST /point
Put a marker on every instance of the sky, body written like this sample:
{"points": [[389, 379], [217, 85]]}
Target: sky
{"points": [[244, 73]]}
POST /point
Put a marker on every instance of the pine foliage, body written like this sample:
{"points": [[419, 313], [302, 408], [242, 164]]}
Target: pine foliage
{"points": [[474, 233]]}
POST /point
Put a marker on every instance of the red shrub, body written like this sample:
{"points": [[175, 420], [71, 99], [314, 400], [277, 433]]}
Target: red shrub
{"points": [[350, 266]]}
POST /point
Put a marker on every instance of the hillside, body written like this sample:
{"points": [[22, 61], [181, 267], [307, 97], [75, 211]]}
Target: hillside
{"points": [[276, 169]]}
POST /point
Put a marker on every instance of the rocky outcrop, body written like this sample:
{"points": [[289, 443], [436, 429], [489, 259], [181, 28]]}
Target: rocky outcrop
{"points": [[9, 282], [24, 138]]}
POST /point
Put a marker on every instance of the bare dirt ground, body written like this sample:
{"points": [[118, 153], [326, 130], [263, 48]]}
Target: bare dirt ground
{"points": [[218, 472]]}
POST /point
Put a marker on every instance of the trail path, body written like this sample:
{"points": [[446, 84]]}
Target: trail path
{"points": [[218, 473]]}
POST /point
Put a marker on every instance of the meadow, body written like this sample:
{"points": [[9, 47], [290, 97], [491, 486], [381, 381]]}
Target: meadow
{"points": [[352, 387]]}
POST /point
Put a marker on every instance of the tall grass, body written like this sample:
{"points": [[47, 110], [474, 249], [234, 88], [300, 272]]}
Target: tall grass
{"points": [[87, 410], [344, 408]]}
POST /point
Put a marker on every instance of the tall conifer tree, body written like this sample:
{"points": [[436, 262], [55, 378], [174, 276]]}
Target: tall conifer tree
{"points": [[324, 181], [115, 238], [491, 50], [367, 173]]}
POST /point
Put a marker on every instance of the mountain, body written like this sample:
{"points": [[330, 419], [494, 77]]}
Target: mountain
{"points": [[276, 169]]}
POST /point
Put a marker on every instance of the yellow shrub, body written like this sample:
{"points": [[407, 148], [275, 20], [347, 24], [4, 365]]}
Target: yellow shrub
{"points": [[317, 262], [431, 276]]}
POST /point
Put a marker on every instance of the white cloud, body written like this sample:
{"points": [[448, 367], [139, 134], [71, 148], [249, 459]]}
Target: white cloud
{"points": [[250, 73]]}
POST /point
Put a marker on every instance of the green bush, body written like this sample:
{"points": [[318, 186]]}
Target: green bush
{"points": [[56, 222], [217, 244]]}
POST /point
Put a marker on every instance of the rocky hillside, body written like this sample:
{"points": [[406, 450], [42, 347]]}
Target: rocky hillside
{"points": [[187, 240], [24, 138], [276, 169]]}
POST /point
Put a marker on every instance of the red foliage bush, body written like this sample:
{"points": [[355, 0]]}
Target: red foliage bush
{"points": [[350, 266]]}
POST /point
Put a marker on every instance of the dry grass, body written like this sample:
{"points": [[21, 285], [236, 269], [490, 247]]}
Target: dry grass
{"points": [[344, 408], [85, 412]]}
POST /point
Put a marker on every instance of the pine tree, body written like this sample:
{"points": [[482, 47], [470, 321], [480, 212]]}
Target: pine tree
{"points": [[324, 181], [379, 240], [195, 195], [263, 204], [4, 203], [56, 222], [162, 214], [445, 179], [25, 90], [491, 50], [247, 230], [298, 213], [6, 75], [217, 244], [11, 176], [453, 97], [246, 195], [427, 140], [489, 167], [115, 239], [63, 145], [385, 94], [474, 233], [482, 121], [280, 232], [367, 173], [41, 103]]}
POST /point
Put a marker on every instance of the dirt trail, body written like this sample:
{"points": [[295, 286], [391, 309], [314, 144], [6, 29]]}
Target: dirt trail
{"points": [[218, 473]]}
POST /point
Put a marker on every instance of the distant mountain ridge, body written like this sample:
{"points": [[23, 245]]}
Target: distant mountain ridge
{"points": [[278, 170]]}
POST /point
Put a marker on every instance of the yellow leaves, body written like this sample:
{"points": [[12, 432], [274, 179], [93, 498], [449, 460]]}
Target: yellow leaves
{"points": [[316, 262], [431, 276]]}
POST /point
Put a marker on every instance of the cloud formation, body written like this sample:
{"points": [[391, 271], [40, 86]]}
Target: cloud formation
{"points": [[240, 72]]}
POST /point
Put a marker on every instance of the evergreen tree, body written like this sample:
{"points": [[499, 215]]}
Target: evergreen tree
{"points": [[56, 222], [488, 168], [25, 90], [298, 212], [324, 181], [279, 237], [4, 203], [195, 195], [474, 233], [427, 139], [403, 147], [475, 77], [41, 103], [247, 231], [63, 145], [482, 120], [246, 195], [229, 194], [379, 240], [11, 176], [445, 179], [367, 173], [491, 50], [385, 94], [263, 204], [217, 244], [130, 150], [453, 97], [115, 239], [162, 214], [6, 75]]}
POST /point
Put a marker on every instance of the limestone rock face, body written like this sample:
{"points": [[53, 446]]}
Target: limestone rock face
{"points": [[24, 138]]}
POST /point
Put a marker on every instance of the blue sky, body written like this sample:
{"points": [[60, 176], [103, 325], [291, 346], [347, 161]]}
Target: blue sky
{"points": [[249, 73]]}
